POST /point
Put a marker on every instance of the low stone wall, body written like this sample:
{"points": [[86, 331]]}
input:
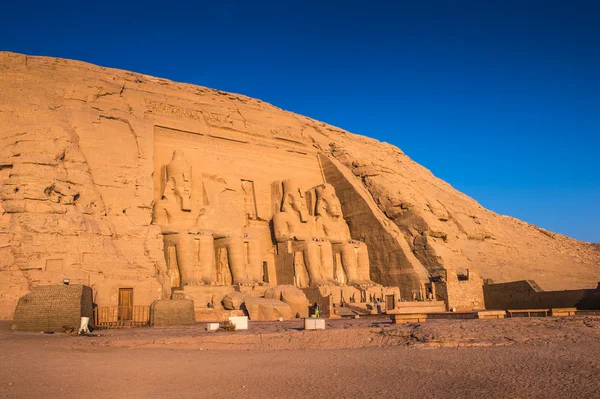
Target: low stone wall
{"points": [[50, 307], [166, 313], [464, 294], [526, 294]]}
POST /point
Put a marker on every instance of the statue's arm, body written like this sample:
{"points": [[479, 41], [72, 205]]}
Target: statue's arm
{"points": [[318, 231], [347, 231], [159, 214], [281, 228]]}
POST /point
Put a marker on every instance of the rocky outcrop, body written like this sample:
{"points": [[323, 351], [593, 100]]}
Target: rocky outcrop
{"points": [[77, 189]]}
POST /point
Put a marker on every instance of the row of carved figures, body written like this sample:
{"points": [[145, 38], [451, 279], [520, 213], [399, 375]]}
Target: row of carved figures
{"points": [[191, 236]]}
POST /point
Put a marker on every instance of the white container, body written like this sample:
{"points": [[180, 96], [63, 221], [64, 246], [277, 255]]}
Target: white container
{"points": [[83, 327], [314, 323], [240, 322], [212, 326]]}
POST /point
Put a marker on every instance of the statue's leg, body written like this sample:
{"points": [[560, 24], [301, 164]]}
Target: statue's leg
{"points": [[312, 258], [327, 262], [349, 261], [206, 258], [237, 260], [185, 258], [170, 250], [255, 260], [364, 267]]}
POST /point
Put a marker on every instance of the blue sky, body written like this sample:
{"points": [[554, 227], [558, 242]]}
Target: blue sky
{"points": [[499, 98]]}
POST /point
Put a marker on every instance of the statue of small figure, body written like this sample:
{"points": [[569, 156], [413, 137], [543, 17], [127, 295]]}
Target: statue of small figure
{"points": [[295, 225], [249, 203], [331, 224]]}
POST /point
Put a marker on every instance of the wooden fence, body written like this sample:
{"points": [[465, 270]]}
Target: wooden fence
{"points": [[121, 316]]}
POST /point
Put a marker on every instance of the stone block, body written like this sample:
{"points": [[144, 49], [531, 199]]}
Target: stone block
{"points": [[165, 313], [490, 314], [267, 309], [409, 318], [292, 296], [233, 301], [563, 311]]}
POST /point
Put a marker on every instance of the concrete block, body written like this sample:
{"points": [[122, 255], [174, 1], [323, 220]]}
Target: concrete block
{"points": [[240, 322], [314, 323]]}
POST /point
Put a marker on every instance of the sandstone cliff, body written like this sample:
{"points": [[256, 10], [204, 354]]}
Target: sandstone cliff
{"points": [[76, 184]]}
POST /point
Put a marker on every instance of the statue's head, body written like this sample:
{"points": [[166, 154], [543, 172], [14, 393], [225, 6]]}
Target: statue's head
{"points": [[179, 179], [327, 201], [294, 199]]}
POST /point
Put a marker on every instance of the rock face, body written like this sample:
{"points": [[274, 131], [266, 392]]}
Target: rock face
{"points": [[81, 152]]}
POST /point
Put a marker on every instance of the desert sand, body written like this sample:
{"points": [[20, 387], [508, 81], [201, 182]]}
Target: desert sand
{"points": [[366, 358]]}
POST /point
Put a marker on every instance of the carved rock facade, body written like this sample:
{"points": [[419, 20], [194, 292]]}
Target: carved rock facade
{"points": [[83, 156]]}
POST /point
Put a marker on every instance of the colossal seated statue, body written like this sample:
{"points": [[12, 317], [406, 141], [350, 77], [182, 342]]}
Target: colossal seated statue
{"points": [[177, 214], [223, 218], [294, 225], [330, 223], [192, 232]]}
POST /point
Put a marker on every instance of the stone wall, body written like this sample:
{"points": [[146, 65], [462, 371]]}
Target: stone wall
{"points": [[526, 294], [463, 293], [50, 307], [172, 313]]}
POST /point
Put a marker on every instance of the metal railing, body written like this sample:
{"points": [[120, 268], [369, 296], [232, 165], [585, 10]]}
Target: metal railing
{"points": [[121, 316]]}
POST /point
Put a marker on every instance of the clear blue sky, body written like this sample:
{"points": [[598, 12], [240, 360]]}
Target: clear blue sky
{"points": [[501, 98]]}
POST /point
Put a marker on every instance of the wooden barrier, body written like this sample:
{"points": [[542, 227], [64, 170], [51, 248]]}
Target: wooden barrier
{"points": [[121, 316]]}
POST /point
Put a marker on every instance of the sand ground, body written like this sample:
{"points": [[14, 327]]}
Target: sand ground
{"points": [[366, 358]]}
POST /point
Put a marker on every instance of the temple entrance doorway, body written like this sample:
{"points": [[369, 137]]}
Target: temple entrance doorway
{"points": [[125, 304], [389, 302]]}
